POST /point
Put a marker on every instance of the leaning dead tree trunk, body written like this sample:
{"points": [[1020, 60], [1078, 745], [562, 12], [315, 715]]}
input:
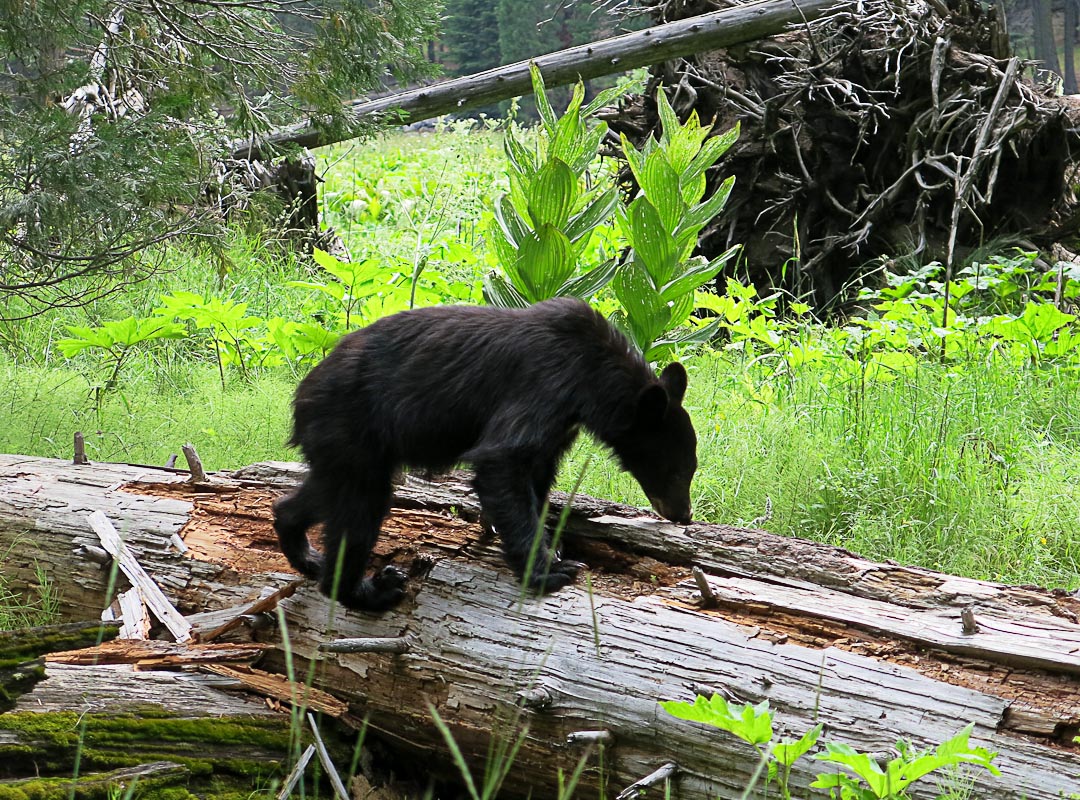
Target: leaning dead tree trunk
{"points": [[874, 651], [731, 26]]}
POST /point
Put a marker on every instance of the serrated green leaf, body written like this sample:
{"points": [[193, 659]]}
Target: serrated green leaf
{"points": [[788, 752], [752, 724]]}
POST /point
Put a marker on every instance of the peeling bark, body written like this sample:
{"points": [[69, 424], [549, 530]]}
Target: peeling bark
{"points": [[874, 651]]}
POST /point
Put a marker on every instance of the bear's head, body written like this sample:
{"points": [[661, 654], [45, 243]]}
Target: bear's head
{"points": [[660, 448]]}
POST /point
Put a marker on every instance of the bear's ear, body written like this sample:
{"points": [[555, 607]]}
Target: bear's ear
{"points": [[674, 380], [652, 405]]}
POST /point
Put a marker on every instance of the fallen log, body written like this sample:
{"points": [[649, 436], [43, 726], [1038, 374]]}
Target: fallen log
{"points": [[873, 651], [718, 29]]}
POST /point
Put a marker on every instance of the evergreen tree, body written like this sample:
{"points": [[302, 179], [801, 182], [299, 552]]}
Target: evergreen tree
{"points": [[471, 36], [114, 114]]}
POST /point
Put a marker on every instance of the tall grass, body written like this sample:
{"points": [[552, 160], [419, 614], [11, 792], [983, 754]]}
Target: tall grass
{"points": [[970, 468]]}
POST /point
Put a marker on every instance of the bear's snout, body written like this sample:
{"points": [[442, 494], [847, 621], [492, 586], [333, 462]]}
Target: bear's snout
{"points": [[679, 513]]}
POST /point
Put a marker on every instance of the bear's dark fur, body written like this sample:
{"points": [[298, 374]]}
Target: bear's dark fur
{"points": [[505, 390]]}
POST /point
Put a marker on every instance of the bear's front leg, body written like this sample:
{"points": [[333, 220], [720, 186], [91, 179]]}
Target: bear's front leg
{"points": [[508, 496], [293, 515]]}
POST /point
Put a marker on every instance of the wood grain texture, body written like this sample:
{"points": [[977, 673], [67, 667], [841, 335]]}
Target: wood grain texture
{"points": [[876, 652]]}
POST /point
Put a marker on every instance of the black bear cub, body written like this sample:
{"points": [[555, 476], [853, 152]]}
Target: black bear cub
{"points": [[505, 390]]}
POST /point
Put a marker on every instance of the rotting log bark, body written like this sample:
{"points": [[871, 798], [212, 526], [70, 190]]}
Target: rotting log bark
{"points": [[874, 651]]}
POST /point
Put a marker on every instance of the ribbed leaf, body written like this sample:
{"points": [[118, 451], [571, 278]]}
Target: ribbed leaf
{"points": [[545, 261], [552, 195], [703, 213], [696, 275], [540, 95], [646, 313], [653, 246], [499, 293], [710, 153], [511, 223], [586, 285], [521, 158], [662, 188], [597, 212]]}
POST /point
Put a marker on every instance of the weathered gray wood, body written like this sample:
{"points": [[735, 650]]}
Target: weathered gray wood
{"points": [[873, 651], [719, 29]]}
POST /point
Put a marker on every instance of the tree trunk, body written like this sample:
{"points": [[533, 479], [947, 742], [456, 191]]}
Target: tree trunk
{"points": [[876, 652], [719, 29], [1042, 19], [1068, 49]]}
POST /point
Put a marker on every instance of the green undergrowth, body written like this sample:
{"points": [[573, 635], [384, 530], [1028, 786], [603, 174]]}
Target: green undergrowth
{"points": [[939, 433]]}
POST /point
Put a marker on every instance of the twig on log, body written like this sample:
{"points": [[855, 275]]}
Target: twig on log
{"points": [[396, 644], [708, 599], [280, 688], [590, 737], [967, 620], [328, 765], [634, 789], [152, 595], [80, 450], [198, 475], [296, 774], [258, 607]]}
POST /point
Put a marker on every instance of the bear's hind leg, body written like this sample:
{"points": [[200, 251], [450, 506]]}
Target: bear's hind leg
{"points": [[293, 515], [356, 512]]}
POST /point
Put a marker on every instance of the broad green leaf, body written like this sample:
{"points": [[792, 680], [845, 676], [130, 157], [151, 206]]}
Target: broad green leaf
{"points": [[646, 313], [545, 261], [593, 215], [500, 293], [788, 752], [710, 153], [552, 195], [697, 274], [547, 115], [634, 159], [1042, 319], [662, 190], [521, 158], [703, 213], [586, 285], [752, 724], [513, 226], [653, 246]]}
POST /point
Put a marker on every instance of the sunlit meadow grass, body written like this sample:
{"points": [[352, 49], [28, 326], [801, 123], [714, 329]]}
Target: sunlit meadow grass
{"points": [[970, 468]]}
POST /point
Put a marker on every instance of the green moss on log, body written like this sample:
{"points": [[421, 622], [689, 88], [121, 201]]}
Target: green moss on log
{"points": [[30, 643], [251, 748]]}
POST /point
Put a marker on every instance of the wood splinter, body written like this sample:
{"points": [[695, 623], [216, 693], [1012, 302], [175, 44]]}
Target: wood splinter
{"points": [[590, 737], [967, 620], [396, 644], [80, 450], [661, 775], [198, 474], [296, 774], [324, 758], [708, 599]]}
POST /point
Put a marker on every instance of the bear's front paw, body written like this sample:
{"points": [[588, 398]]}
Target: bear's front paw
{"points": [[558, 575], [309, 564], [378, 593]]}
